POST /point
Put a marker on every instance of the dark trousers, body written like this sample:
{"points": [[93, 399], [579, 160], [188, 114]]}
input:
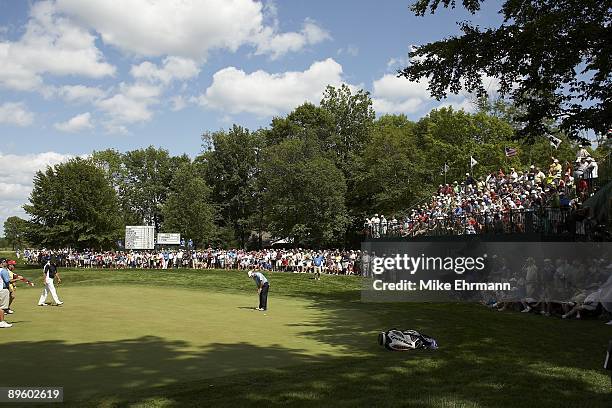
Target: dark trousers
{"points": [[263, 296]]}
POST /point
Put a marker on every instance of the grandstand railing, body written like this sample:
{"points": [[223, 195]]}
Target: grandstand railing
{"points": [[547, 221]]}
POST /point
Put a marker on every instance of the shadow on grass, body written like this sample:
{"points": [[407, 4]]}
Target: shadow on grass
{"points": [[495, 363], [109, 368], [486, 359]]}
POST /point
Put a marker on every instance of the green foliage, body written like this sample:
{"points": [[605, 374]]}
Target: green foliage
{"points": [[307, 121], [143, 180], [552, 57], [73, 204], [304, 194], [187, 209], [448, 136], [230, 166], [311, 176], [112, 162], [392, 167], [352, 118], [15, 232]]}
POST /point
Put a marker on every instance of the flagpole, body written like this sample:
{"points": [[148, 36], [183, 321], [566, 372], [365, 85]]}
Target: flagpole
{"points": [[505, 159], [445, 170]]}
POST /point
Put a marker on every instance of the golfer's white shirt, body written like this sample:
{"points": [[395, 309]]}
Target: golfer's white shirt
{"points": [[48, 288]]}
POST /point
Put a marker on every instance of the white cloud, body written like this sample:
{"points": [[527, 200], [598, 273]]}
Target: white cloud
{"points": [[51, 44], [393, 95], [131, 104], [396, 63], [77, 123], [178, 103], [188, 28], [270, 42], [264, 94], [174, 68], [80, 93], [15, 113], [465, 104], [398, 95], [351, 50], [16, 179]]}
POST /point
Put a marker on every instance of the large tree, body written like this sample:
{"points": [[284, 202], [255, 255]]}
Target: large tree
{"points": [[146, 183], [73, 205], [230, 166], [188, 210], [304, 194], [551, 56], [352, 118], [391, 169], [15, 231]]}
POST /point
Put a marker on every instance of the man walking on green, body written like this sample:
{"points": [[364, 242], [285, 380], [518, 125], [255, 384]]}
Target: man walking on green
{"points": [[262, 289]]}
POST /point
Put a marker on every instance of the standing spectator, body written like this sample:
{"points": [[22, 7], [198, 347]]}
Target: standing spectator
{"points": [[375, 221], [383, 225], [318, 264], [591, 171], [555, 169], [11, 268], [4, 293]]}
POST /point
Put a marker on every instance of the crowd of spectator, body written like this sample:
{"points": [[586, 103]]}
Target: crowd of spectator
{"points": [[567, 288], [336, 262], [503, 201]]}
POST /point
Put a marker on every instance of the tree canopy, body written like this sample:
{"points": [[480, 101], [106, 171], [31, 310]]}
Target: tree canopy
{"points": [[73, 204], [15, 231], [304, 194], [187, 209], [552, 57], [311, 176]]}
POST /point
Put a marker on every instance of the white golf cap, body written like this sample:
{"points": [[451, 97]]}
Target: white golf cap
{"points": [[250, 273]]}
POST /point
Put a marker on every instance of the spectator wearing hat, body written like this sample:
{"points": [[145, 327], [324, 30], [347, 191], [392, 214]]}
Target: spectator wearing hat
{"points": [[367, 226], [583, 152], [11, 267], [555, 169], [375, 226]]}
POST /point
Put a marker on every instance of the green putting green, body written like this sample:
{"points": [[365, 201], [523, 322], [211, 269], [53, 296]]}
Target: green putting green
{"points": [[190, 338], [107, 339]]}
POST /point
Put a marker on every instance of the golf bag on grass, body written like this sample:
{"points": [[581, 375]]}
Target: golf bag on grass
{"points": [[404, 340]]}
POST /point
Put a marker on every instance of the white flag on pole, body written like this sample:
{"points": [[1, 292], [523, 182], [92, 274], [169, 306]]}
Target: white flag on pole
{"points": [[473, 162], [554, 141]]}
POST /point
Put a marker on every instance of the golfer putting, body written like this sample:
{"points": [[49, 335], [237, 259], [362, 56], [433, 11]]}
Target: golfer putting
{"points": [[262, 289]]}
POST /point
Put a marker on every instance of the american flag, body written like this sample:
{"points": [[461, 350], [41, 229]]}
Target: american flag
{"points": [[510, 151]]}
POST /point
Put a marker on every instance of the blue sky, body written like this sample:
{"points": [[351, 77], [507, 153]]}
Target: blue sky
{"points": [[77, 76]]}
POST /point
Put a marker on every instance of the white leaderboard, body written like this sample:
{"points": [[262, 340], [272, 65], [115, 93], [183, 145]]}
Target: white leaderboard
{"points": [[139, 237]]}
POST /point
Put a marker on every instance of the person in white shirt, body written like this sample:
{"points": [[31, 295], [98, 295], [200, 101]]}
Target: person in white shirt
{"points": [[591, 168], [383, 225], [49, 275], [375, 226]]}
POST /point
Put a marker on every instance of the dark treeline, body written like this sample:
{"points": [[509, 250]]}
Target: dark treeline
{"points": [[311, 176]]}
